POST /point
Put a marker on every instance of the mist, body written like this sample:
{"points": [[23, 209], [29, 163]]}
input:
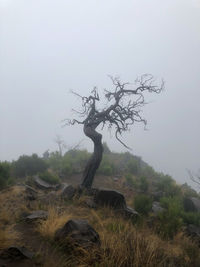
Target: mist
{"points": [[48, 48]]}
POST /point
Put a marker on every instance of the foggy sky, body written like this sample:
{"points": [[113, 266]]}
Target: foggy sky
{"points": [[48, 48]]}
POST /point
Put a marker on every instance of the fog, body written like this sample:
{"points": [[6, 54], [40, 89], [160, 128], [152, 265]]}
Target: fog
{"points": [[48, 48]]}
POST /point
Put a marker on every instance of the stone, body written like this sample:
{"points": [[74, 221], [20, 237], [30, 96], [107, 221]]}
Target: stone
{"points": [[110, 198], [30, 189], [130, 213], [31, 193], [37, 215], [156, 207], [16, 253], [44, 185], [194, 232], [191, 204], [90, 203], [68, 192], [49, 198], [79, 232]]}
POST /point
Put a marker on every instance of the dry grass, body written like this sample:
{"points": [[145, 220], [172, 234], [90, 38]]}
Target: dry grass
{"points": [[54, 221], [8, 236], [12, 204], [122, 244]]}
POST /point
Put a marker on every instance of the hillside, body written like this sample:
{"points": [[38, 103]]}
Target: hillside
{"points": [[159, 228]]}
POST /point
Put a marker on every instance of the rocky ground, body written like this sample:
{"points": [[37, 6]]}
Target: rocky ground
{"points": [[63, 226]]}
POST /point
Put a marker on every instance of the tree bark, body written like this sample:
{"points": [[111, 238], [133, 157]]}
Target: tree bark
{"points": [[95, 160]]}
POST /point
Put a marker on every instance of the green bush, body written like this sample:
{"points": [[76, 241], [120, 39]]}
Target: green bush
{"points": [[191, 218], [143, 204], [4, 173], [168, 185], [106, 166], [143, 184], [49, 178], [133, 165], [130, 180], [170, 220], [29, 165]]}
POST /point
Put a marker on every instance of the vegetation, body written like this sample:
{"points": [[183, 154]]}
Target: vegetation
{"points": [[143, 204], [4, 174], [28, 165], [49, 177], [123, 243]]}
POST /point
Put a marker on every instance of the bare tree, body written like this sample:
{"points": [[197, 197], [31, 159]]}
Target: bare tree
{"points": [[123, 109], [61, 144], [194, 177]]}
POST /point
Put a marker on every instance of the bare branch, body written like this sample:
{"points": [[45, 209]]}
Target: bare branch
{"points": [[123, 108]]}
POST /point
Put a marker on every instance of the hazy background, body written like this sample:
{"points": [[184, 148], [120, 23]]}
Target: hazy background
{"points": [[49, 47]]}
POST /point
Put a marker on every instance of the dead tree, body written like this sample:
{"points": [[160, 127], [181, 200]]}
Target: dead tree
{"points": [[194, 177], [123, 109], [61, 144]]}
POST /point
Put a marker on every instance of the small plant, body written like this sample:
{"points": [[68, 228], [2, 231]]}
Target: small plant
{"points": [[131, 181], [170, 220], [143, 184], [143, 204], [49, 178], [191, 218]]}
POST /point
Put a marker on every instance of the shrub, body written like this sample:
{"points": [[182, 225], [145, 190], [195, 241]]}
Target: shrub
{"points": [[143, 184], [49, 178], [143, 204], [170, 220], [29, 165], [191, 218], [168, 185], [4, 173], [106, 166], [130, 180]]}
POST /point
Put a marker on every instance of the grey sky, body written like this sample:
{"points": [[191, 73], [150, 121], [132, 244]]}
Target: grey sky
{"points": [[49, 47]]}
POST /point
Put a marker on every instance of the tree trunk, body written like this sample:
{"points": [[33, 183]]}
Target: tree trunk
{"points": [[95, 160]]}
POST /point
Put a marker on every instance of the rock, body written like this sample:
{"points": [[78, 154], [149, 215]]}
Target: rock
{"points": [[63, 186], [30, 189], [49, 198], [37, 215], [191, 204], [194, 232], [90, 203], [130, 213], [44, 185], [31, 193], [16, 253], [68, 192], [110, 198], [79, 232], [156, 207]]}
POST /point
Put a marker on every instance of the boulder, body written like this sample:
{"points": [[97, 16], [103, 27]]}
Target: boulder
{"points": [[79, 232], [191, 204], [49, 198], [110, 198], [68, 192], [90, 203], [194, 232], [16, 253], [37, 215], [31, 193], [156, 207], [44, 185], [130, 213]]}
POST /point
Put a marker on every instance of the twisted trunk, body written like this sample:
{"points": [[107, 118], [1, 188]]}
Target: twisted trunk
{"points": [[95, 160]]}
